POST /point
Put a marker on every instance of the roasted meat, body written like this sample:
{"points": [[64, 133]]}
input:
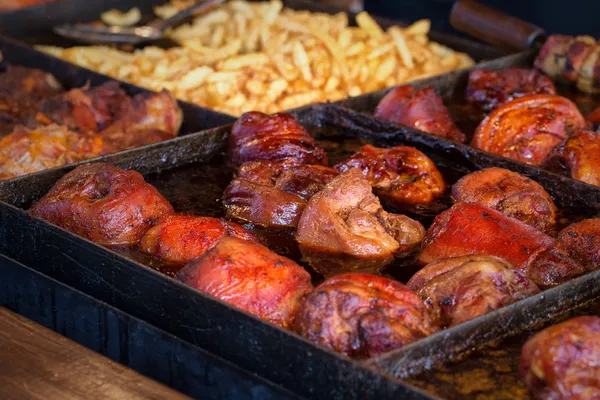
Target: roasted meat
{"points": [[344, 228], [104, 204], [593, 119], [274, 193], [251, 277], [458, 289], [563, 361], [26, 151], [22, 91], [256, 136], [401, 176], [578, 156], [526, 129], [510, 193], [422, 109], [178, 239], [491, 89], [572, 59], [362, 315], [582, 241], [149, 118], [467, 229]]}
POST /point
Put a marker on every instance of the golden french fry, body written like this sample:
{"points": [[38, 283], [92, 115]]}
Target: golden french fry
{"points": [[405, 54], [420, 27], [115, 17], [368, 24]]}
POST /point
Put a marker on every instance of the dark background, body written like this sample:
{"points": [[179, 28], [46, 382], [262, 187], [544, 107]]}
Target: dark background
{"points": [[571, 17]]}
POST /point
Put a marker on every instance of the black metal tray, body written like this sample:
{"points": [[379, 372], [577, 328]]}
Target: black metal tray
{"points": [[195, 118], [33, 25], [126, 339], [183, 171]]}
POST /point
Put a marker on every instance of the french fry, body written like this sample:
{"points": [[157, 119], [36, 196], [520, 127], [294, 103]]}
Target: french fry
{"points": [[260, 56]]}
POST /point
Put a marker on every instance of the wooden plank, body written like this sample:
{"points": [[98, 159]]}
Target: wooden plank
{"points": [[37, 363]]}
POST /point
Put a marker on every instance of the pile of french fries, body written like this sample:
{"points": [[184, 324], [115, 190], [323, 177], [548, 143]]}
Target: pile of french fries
{"points": [[260, 56]]}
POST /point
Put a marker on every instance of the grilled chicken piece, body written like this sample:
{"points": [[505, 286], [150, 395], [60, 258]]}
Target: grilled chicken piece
{"points": [[510, 193], [104, 204], [343, 228], [149, 118], [256, 136], [491, 89], [572, 59], [274, 193], [578, 156], [422, 109], [458, 289], [401, 176], [593, 119], [563, 361], [467, 229], [361, 315], [84, 108], [251, 277], [22, 91], [26, 151], [582, 242], [178, 239], [526, 129]]}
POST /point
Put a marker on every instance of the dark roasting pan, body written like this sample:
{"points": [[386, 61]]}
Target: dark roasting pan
{"points": [[70, 76], [125, 339], [189, 172], [33, 25]]}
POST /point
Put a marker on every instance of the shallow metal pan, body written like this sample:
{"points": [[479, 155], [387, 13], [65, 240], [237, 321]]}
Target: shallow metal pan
{"points": [[187, 165]]}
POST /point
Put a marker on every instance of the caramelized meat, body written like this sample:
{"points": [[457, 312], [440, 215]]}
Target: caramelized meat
{"points": [[274, 193], [251, 277], [257, 136], [362, 315], [401, 176], [344, 228], [178, 239], [26, 151], [103, 203], [22, 91], [510, 193], [149, 118], [526, 129], [594, 118], [582, 242], [467, 229], [563, 361], [458, 289], [579, 156], [491, 89], [422, 109]]}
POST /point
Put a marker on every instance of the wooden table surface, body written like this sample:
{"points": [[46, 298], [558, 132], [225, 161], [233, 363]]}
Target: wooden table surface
{"points": [[37, 363]]}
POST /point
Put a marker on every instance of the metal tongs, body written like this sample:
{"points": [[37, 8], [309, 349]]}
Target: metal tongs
{"points": [[132, 35]]}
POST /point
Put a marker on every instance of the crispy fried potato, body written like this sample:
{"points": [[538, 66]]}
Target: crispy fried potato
{"points": [[260, 56]]}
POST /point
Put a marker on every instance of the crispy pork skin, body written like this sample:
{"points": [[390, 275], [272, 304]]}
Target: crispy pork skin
{"points": [[402, 176], [582, 241], [251, 277], [104, 204], [563, 361], [26, 151], [178, 239], [491, 89], [256, 136], [467, 229], [274, 193], [579, 156], [458, 289], [422, 109], [510, 193], [344, 228], [362, 315], [526, 129]]}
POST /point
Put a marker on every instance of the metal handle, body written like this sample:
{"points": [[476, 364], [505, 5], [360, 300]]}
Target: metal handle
{"points": [[493, 26], [183, 14]]}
